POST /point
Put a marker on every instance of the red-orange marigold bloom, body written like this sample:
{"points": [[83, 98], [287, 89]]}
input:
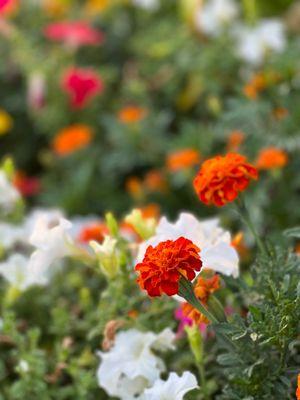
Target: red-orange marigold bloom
{"points": [[131, 114], [95, 231], [155, 181], [221, 178], [71, 139], [181, 159], [203, 289], [298, 388], [164, 264], [271, 157], [8, 6]]}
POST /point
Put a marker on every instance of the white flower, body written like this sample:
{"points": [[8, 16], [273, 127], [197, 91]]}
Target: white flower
{"points": [[174, 388], [217, 253], [10, 235], [253, 44], [131, 365], [16, 270], [146, 4], [52, 242], [9, 195], [214, 15], [23, 366]]}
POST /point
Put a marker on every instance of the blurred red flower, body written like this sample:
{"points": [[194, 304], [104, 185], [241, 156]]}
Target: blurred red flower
{"points": [[74, 33], [8, 6], [164, 264], [26, 185], [82, 85]]}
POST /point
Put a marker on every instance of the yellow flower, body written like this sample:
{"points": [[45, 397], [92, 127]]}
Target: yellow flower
{"points": [[96, 6], [6, 122]]}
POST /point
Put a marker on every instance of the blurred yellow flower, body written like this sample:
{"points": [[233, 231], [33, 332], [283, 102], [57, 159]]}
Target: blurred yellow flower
{"points": [[6, 122], [56, 8], [96, 6]]}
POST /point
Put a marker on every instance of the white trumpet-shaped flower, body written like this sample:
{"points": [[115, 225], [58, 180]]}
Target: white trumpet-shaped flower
{"points": [[216, 250], [214, 15], [254, 43], [131, 365], [52, 242], [16, 270], [174, 388]]}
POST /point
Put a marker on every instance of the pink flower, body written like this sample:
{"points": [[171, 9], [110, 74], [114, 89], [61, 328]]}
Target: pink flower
{"points": [[82, 85], [7, 6], [185, 321], [74, 34], [36, 91]]}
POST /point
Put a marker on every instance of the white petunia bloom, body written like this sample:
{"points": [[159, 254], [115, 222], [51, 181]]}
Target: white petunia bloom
{"points": [[17, 272], [131, 365], [174, 388], [146, 4], [10, 235], [254, 43], [217, 253], [52, 242], [9, 195], [214, 15]]}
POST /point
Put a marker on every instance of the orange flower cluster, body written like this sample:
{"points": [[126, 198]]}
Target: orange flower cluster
{"points": [[71, 139], [256, 85], [271, 158], [220, 179], [203, 289], [131, 114], [164, 264], [153, 181], [182, 159], [235, 139], [95, 231]]}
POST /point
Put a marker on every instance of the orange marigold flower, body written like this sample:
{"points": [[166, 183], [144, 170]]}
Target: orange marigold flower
{"points": [[235, 139], [164, 264], [131, 114], [134, 187], [280, 113], [271, 157], [72, 138], [221, 178], [182, 159], [8, 7], [298, 388], [154, 181], [239, 244], [95, 231], [203, 289], [256, 85], [151, 210]]}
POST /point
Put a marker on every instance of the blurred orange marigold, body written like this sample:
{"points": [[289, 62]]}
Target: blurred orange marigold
{"points": [[72, 138], [298, 388], [220, 179], [235, 139], [131, 114], [182, 159], [164, 264], [271, 158]]}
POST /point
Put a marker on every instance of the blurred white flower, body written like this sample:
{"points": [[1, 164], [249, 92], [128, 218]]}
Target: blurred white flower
{"points": [[9, 195], [10, 235], [254, 43], [174, 388], [23, 366], [217, 253], [52, 242], [36, 92], [146, 4], [16, 270], [131, 365], [214, 15]]}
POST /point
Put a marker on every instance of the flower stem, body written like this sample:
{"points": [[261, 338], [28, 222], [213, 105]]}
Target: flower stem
{"points": [[244, 214], [186, 291]]}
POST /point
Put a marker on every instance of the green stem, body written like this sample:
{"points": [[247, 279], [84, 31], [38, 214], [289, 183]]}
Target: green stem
{"points": [[186, 291], [203, 381], [243, 212]]}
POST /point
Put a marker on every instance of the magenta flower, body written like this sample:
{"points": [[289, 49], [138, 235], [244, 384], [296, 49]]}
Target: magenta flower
{"points": [[8, 6], [74, 34], [82, 85], [185, 321]]}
